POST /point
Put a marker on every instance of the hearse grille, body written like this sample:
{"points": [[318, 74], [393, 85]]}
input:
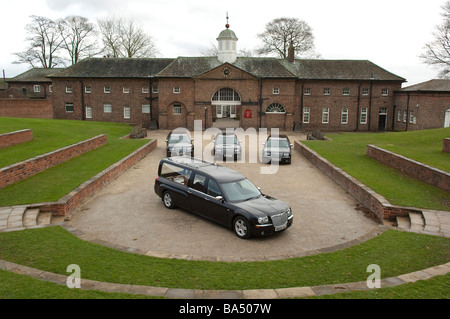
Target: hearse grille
{"points": [[279, 219]]}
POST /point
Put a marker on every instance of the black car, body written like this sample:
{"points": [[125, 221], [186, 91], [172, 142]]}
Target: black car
{"points": [[227, 146], [179, 142], [277, 148], [222, 195]]}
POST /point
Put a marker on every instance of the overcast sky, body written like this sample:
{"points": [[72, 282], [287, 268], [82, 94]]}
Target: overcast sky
{"points": [[390, 33]]}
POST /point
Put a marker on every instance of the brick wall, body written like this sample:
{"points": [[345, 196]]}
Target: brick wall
{"points": [[85, 191], [446, 145], [417, 170], [28, 168], [377, 204], [14, 138], [39, 109]]}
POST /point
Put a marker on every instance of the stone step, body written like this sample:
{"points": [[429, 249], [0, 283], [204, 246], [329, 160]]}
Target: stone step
{"points": [[15, 218], [45, 218], [30, 217], [403, 223], [417, 221]]}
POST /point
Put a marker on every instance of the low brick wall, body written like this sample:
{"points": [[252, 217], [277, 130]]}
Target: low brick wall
{"points": [[14, 138], [373, 201], [19, 171], [446, 146], [85, 191], [412, 168]]}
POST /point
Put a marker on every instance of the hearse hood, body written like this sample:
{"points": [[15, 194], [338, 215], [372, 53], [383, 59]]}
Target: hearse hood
{"points": [[263, 206]]}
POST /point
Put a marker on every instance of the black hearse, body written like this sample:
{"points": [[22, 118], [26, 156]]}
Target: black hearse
{"points": [[222, 195]]}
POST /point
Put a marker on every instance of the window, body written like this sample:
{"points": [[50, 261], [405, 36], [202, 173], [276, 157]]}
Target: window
{"points": [[107, 89], [384, 92], [126, 90], [69, 107], [399, 116], [307, 91], [107, 108], [411, 117], [275, 108], [226, 95], [145, 90], [177, 109], [176, 89], [50, 88], [276, 91], [155, 89], [365, 91], [146, 108], [175, 173], [126, 112], [199, 183], [344, 116], [88, 112], [37, 88], [88, 90], [325, 115], [213, 189], [405, 115], [306, 114], [363, 119], [68, 89], [326, 91], [346, 91]]}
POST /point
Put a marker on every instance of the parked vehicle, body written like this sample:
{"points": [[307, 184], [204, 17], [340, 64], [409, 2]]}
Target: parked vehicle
{"points": [[222, 195], [227, 146], [179, 142], [277, 148]]}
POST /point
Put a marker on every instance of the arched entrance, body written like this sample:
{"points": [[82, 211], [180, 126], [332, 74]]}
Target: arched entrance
{"points": [[225, 103]]}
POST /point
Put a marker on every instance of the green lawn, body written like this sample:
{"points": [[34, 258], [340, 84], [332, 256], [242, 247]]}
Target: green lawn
{"points": [[50, 135], [53, 249], [348, 151]]}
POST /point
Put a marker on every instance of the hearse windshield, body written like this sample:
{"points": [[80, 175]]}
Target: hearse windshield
{"points": [[277, 143], [179, 138], [241, 190], [226, 139]]}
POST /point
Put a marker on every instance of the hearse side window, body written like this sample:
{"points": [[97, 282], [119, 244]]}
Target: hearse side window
{"points": [[199, 183], [213, 189], [175, 173]]}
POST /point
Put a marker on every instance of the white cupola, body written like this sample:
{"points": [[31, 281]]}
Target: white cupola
{"points": [[227, 41]]}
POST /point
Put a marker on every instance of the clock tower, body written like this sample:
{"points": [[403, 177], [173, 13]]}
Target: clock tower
{"points": [[227, 41]]}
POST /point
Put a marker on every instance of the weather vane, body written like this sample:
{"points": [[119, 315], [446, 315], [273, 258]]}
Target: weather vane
{"points": [[227, 25]]}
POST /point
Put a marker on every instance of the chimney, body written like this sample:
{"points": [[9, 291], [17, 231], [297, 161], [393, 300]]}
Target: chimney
{"points": [[291, 52]]}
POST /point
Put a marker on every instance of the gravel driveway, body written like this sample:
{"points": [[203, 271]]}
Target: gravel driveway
{"points": [[127, 212]]}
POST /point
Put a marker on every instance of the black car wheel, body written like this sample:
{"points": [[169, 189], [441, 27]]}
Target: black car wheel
{"points": [[241, 227], [168, 200]]}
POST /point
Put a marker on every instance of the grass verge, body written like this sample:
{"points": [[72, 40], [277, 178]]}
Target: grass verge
{"points": [[348, 151], [54, 183], [53, 249]]}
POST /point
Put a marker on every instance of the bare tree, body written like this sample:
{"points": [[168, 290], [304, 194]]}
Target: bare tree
{"points": [[281, 32], [125, 39], [79, 36], [437, 52], [45, 42]]}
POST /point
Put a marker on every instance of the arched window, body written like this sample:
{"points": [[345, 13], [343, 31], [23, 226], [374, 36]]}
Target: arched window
{"points": [[226, 95], [275, 108]]}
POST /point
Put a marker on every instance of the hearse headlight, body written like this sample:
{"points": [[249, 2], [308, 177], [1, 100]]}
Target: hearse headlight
{"points": [[289, 212], [263, 220], [285, 154]]}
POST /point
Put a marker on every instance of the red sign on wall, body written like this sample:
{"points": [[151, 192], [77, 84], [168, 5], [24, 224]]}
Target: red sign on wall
{"points": [[248, 114]]}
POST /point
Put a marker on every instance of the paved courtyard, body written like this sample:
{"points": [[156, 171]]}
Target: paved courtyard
{"points": [[127, 212]]}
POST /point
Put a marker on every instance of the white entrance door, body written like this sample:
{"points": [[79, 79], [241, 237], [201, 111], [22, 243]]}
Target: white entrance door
{"points": [[447, 118], [233, 111], [221, 111]]}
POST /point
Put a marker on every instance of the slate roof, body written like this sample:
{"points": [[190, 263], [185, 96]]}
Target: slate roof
{"points": [[339, 70], [440, 85], [114, 68], [190, 67], [35, 75]]}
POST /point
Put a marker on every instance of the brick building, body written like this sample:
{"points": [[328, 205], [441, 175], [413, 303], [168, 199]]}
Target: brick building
{"points": [[423, 106], [330, 95]]}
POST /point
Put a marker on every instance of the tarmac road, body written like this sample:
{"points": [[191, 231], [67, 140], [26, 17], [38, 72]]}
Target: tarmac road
{"points": [[127, 212]]}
